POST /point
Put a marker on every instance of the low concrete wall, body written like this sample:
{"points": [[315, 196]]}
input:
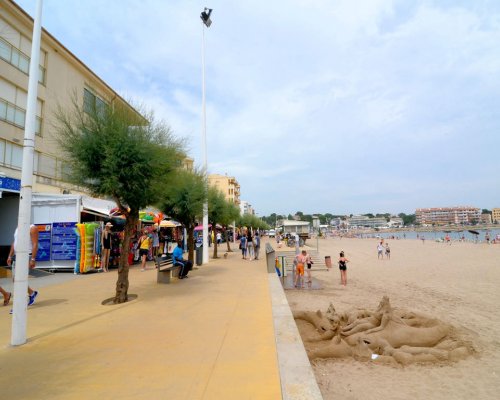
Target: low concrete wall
{"points": [[296, 374]]}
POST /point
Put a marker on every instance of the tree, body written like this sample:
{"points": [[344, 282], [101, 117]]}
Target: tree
{"points": [[183, 200], [115, 152], [232, 213], [217, 206]]}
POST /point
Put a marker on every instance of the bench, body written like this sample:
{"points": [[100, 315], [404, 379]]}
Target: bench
{"points": [[165, 269]]}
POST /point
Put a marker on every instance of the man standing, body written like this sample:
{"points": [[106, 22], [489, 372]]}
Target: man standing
{"points": [[11, 260]]}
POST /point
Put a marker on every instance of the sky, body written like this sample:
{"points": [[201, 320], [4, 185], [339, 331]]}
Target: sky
{"points": [[319, 106]]}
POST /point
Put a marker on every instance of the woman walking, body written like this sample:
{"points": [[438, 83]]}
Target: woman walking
{"points": [[144, 246], [250, 249], [243, 246]]}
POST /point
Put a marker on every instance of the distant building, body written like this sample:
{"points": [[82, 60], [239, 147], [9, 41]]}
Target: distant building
{"points": [[299, 227], [448, 215], [363, 221], [486, 218], [495, 215], [396, 222], [246, 208], [227, 185]]}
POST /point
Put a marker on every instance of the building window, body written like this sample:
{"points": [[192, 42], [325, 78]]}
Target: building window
{"points": [[13, 155], [93, 103], [20, 60], [12, 106]]}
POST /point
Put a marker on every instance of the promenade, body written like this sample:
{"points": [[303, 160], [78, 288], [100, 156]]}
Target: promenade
{"points": [[210, 336]]}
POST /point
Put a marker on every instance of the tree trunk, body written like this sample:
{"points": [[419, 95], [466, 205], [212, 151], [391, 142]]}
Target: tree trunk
{"points": [[190, 242], [122, 283], [227, 241], [215, 247]]}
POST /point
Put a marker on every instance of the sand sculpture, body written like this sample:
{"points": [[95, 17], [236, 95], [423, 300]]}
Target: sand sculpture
{"points": [[385, 335]]}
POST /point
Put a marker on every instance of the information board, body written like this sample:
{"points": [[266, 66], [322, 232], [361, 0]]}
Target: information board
{"points": [[64, 241], [44, 242]]}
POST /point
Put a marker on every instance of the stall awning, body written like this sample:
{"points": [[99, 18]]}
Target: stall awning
{"points": [[200, 227], [97, 206]]}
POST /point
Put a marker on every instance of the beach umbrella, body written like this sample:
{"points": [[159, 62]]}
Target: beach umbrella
{"points": [[167, 224]]}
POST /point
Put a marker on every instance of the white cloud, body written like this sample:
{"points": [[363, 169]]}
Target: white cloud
{"points": [[363, 105]]}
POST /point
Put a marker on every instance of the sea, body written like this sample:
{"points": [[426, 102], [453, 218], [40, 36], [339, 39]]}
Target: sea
{"points": [[439, 235]]}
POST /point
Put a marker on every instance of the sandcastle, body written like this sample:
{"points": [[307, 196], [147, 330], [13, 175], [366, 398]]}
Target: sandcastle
{"points": [[385, 335]]}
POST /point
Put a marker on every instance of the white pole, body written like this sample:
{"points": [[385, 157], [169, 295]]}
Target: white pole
{"points": [[204, 149], [23, 228]]}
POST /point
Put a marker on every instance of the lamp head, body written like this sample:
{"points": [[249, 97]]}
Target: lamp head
{"points": [[205, 17]]}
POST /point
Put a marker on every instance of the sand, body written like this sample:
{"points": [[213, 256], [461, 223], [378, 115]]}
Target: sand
{"points": [[458, 284]]}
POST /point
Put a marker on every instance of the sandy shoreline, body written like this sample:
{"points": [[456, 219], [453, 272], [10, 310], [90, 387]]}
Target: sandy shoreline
{"points": [[458, 284]]}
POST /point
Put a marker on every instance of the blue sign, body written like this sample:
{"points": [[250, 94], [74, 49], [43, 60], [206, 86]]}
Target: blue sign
{"points": [[44, 242], [10, 184], [64, 241]]}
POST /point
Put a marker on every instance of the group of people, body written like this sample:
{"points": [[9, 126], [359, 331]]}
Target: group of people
{"points": [[381, 249], [303, 259], [250, 245]]}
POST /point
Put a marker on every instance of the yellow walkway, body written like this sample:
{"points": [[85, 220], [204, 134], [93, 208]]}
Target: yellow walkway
{"points": [[207, 337]]}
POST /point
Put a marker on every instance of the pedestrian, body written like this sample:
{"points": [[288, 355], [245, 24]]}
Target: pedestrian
{"points": [[380, 251], [6, 296], [106, 246], [309, 263], [343, 269], [144, 246], [177, 259], [300, 260], [155, 238], [257, 245], [243, 246], [11, 260], [219, 238], [387, 251], [250, 247]]}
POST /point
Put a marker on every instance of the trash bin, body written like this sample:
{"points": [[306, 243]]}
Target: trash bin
{"points": [[328, 262], [199, 253]]}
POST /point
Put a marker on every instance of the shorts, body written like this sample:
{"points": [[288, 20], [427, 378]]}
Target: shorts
{"points": [[309, 266], [300, 269], [143, 252], [342, 267]]}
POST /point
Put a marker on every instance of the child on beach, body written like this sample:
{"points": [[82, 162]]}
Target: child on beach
{"points": [[343, 269], [387, 251]]}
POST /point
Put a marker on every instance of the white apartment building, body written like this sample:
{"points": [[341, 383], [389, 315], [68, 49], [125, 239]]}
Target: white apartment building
{"points": [[246, 208]]}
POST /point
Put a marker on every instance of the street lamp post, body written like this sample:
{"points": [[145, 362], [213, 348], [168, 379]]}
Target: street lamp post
{"points": [[23, 225], [205, 18]]}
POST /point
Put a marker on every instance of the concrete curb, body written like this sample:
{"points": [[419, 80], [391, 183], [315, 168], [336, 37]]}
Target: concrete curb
{"points": [[296, 374]]}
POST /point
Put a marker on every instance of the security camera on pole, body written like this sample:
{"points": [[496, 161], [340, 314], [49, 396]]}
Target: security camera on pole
{"points": [[205, 18]]}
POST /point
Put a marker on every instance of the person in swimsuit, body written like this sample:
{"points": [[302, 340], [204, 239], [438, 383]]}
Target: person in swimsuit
{"points": [[343, 269], [309, 263], [387, 251], [106, 246], [300, 260]]}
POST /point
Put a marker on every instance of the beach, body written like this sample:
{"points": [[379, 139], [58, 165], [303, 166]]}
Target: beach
{"points": [[457, 284]]}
